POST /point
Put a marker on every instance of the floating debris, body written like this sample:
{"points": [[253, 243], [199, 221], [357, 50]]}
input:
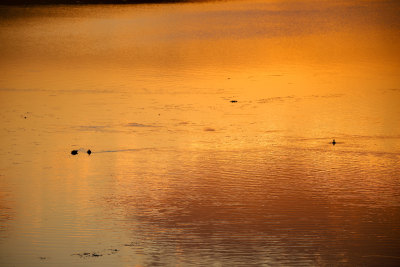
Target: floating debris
{"points": [[87, 254], [25, 115], [74, 152], [110, 251], [113, 251]]}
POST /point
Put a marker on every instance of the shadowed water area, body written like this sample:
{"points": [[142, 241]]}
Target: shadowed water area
{"points": [[210, 126]]}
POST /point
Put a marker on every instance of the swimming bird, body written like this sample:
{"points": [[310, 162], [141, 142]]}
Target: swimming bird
{"points": [[89, 152], [333, 142], [233, 101], [74, 152]]}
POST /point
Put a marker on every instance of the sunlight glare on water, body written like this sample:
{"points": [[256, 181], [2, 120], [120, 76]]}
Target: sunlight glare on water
{"points": [[210, 126]]}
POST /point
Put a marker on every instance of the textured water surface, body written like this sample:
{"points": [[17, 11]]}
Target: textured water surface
{"points": [[210, 126]]}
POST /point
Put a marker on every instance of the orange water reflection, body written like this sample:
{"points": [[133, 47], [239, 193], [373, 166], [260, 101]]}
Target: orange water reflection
{"points": [[179, 174]]}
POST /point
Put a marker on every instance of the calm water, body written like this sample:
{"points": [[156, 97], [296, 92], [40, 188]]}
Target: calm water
{"points": [[179, 175]]}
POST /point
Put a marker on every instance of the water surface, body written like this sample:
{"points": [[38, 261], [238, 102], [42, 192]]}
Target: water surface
{"points": [[180, 175]]}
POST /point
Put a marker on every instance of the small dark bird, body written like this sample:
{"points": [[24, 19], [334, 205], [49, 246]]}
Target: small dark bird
{"points": [[233, 101], [89, 152], [333, 142], [74, 152]]}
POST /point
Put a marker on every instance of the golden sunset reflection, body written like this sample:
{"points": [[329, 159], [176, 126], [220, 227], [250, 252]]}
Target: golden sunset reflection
{"points": [[210, 125]]}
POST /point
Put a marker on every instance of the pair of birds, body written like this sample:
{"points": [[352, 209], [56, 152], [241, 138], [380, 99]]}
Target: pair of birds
{"points": [[74, 152]]}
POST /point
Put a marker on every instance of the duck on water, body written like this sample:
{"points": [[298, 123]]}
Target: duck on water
{"points": [[75, 152]]}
